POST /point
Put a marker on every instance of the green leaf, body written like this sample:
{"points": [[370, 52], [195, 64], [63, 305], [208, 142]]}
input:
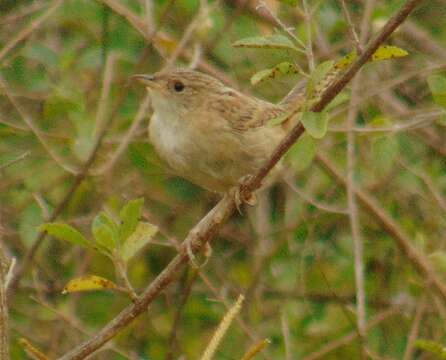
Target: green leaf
{"points": [[67, 233], [105, 231], [83, 146], [319, 74], [275, 41], [129, 216], [41, 53], [315, 123], [346, 61], [438, 258], [290, 2], [137, 240], [384, 52], [437, 85], [302, 153], [433, 347], [88, 283], [278, 119], [284, 68], [341, 98], [30, 219], [385, 150]]}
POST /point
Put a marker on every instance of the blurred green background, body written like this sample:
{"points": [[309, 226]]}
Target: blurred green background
{"points": [[65, 68]]}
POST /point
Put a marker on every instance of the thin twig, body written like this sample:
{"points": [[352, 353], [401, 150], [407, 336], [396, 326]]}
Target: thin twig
{"points": [[316, 203], [201, 16], [351, 28], [358, 243], [289, 31], [139, 117], [30, 123], [78, 179], [15, 160], [103, 103], [29, 29], [184, 292], [309, 47], [347, 339], [22, 12], [418, 122], [414, 331], [286, 335], [4, 316], [76, 324], [419, 261], [436, 193]]}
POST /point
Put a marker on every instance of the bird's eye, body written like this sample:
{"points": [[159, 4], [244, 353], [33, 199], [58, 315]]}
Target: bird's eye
{"points": [[178, 86]]}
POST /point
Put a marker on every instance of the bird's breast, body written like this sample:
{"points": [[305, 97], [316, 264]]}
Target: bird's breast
{"points": [[171, 139]]}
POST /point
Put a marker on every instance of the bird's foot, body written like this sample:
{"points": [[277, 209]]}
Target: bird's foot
{"points": [[193, 258], [240, 196]]}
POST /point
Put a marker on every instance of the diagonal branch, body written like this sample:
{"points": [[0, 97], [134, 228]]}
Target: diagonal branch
{"points": [[210, 224], [403, 241]]}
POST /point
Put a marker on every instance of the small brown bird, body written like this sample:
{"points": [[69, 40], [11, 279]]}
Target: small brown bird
{"points": [[207, 132]]}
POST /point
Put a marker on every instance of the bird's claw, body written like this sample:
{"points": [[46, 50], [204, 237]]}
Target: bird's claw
{"points": [[193, 259], [240, 197]]}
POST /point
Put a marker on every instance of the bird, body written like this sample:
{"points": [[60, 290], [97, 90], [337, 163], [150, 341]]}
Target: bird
{"points": [[209, 133]]}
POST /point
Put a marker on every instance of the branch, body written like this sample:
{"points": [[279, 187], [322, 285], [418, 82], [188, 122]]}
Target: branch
{"points": [[5, 266], [210, 224], [350, 337], [29, 29], [403, 240]]}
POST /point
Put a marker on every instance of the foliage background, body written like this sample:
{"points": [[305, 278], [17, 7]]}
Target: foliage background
{"points": [[291, 257]]}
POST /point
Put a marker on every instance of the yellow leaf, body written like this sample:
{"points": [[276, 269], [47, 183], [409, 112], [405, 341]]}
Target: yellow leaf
{"points": [[386, 52], [346, 61], [284, 68], [88, 283]]}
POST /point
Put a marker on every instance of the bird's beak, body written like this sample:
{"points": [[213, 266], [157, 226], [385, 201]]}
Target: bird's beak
{"points": [[147, 80]]}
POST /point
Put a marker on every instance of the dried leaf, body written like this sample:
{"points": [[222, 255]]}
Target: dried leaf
{"points": [[284, 68], [88, 283]]}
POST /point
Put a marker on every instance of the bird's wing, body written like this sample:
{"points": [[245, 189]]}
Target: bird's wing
{"points": [[244, 112]]}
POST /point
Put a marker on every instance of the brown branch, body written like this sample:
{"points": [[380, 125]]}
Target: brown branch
{"points": [[210, 224], [414, 331], [184, 292], [403, 240], [159, 37], [78, 179], [29, 29], [358, 243], [347, 339], [4, 325]]}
